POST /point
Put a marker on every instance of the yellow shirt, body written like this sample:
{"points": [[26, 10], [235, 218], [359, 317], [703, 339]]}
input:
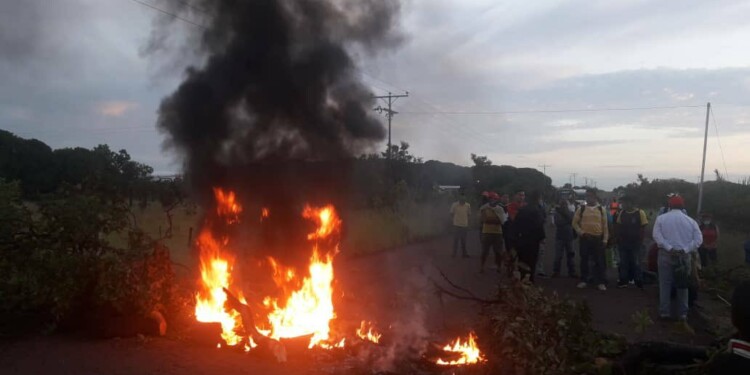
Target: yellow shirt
{"points": [[593, 221], [492, 219], [460, 214]]}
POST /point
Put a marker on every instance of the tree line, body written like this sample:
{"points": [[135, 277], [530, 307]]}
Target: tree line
{"points": [[725, 200]]}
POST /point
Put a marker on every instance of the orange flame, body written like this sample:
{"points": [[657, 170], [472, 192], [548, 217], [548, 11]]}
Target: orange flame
{"points": [[306, 307], [368, 334], [263, 214], [215, 275], [307, 310], [227, 206], [469, 351], [326, 218]]}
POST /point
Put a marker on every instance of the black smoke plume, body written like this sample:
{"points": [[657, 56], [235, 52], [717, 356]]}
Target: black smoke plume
{"points": [[278, 107]]}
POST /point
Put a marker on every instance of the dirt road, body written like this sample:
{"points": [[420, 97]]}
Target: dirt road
{"points": [[393, 289]]}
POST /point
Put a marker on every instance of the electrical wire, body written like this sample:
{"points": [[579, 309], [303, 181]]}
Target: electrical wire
{"points": [[175, 16], [87, 130], [555, 110], [718, 140]]}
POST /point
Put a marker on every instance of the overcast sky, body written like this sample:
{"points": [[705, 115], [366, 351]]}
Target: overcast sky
{"points": [[72, 74]]}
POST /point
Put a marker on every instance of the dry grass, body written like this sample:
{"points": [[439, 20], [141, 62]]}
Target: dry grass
{"points": [[369, 231], [365, 231]]}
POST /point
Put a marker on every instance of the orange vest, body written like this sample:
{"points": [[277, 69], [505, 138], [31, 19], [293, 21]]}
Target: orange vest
{"points": [[613, 208]]}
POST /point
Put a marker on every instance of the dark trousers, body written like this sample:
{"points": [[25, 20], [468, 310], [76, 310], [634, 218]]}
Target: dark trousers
{"points": [[563, 247], [708, 256], [592, 251], [459, 238], [528, 256], [492, 241], [630, 268]]}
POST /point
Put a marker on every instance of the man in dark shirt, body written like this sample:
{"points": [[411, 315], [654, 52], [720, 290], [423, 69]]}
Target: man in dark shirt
{"points": [[736, 359], [563, 219], [529, 228], [630, 228]]}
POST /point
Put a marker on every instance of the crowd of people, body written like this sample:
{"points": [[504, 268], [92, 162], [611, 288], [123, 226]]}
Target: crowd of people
{"points": [[513, 230]]}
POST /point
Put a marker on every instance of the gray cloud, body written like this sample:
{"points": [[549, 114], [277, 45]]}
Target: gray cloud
{"points": [[63, 60]]}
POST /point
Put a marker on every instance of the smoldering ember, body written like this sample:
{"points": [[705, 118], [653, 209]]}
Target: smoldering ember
{"points": [[373, 187]]}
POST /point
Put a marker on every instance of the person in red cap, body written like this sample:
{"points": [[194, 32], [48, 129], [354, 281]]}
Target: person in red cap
{"points": [[708, 250], [491, 219], [678, 237]]}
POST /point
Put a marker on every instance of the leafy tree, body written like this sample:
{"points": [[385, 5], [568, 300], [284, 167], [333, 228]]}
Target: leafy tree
{"points": [[480, 161], [401, 153]]}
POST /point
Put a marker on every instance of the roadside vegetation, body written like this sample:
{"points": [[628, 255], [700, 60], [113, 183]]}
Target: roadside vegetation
{"points": [[90, 240]]}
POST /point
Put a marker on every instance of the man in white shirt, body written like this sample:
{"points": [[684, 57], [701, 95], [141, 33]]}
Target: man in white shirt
{"points": [[460, 212], [677, 236]]}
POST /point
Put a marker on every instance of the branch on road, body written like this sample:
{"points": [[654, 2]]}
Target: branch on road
{"points": [[469, 295]]}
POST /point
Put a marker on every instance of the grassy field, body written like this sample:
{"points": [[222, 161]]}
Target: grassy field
{"points": [[365, 231]]}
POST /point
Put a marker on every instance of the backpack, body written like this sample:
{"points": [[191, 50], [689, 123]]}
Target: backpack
{"points": [[583, 208]]}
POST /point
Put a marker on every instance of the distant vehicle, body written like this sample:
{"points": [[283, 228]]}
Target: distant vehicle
{"points": [[579, 195]]}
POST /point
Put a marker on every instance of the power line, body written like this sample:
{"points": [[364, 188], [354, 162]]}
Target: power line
{"points": [[544, 168], [175, 16], [389, 112], [190, 5], [718, 140], [87, 130], [554, 110], [468, 133]]}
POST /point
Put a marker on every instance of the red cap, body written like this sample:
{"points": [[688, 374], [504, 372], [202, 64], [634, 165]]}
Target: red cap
{"points": [[493, 196], [676, 202]]}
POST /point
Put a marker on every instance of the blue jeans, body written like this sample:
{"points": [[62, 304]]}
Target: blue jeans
{"points": [[630, 268], [666, 280]]}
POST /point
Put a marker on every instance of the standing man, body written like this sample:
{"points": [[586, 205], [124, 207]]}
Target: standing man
{"points": [[460, 210], [529, 225], [630, 229], [563, 220], [677, 236], [540, 257], [491, 219], [590, 222], [519, 200], [710, 232]]}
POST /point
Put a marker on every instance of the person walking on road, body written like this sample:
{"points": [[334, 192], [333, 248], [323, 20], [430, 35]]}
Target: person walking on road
{"points": [[491, 219], [630, 229], [678, 237], [529, 226], [563, 220], [460, 211], [590, 222]]}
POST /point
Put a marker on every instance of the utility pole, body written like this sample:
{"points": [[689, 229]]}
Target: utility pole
{"points": [[389, 99], [586, 181], [703, 166], [574, 178], [544, 168]]}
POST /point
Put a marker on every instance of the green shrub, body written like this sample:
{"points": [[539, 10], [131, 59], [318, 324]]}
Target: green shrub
{"points": [[59, 267], [534, 332]]}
